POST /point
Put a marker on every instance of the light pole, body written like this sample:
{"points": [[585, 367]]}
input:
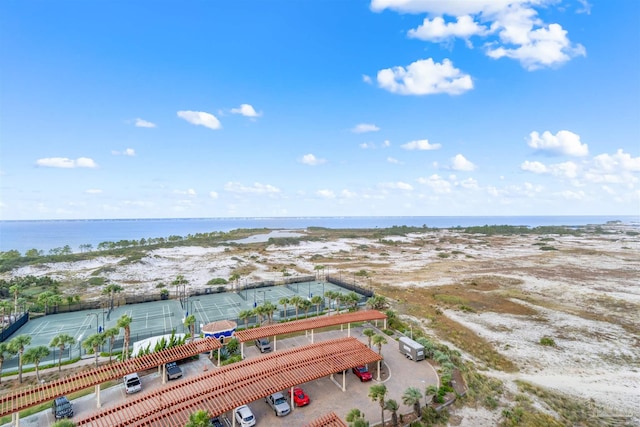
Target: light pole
{"points": [[309, 289], [264, 295]]}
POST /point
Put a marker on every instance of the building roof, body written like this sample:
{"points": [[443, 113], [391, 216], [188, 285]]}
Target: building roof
{"points": [[306, 324], [25, 398], [226, 388], [327, 420], [217, 326]]}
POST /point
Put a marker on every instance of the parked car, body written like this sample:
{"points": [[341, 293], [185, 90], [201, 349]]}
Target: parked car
{"points": [[362, 372], [278, 403], [62, 408], [244, 416], [216, 422], [300, 398], [173, 371], [132, 383], [263, 345]]}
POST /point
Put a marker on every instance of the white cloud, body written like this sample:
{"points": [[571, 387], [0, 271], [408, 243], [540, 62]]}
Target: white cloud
{"points": [[144, 124], [189, 192], [327, 194], [93, 191], [535, 167], [586, 7], [311, 160], [364, 128], [421, 144], [366, 79], [66, 163], [397, 186], [213, 194], [460, 163], [365, 145], [257, 188], [200, 118], [572, 195], [470, 184], [436, 183], [437, 30], [347, 194], [511, 28], [246, 110], [394, 161], [425, 77], [620, 161], [563, 142], [543, 47], [386, 143], [127, 152], [566, 169]]}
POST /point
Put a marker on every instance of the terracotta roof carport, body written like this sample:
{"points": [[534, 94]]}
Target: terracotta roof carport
{"points": [[327, 420], [233, 385], [306, 324], [16, 401]]}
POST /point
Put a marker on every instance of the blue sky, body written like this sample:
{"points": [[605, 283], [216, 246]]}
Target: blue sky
{"points": [[161, 109]]}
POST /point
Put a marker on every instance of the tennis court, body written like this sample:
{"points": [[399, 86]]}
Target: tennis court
{"points": [[160, 317]]}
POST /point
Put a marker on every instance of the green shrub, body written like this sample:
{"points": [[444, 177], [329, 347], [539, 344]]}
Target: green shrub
{"points": [[547, 341]]}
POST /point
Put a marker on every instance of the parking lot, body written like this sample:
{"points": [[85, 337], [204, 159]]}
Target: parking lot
{"points": [[326, 396]]}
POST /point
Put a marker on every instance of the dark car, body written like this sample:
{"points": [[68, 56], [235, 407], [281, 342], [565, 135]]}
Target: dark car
{"points": [[62, 408], [216, 422], [173, 371], [363, 373]]}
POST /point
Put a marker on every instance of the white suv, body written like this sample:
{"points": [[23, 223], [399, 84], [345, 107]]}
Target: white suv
{"points": [[132, 383], [244, 416]]}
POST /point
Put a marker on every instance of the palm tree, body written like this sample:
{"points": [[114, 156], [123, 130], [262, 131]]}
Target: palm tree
{"points": [[369, 333], [392, 406], [352, 300], [259, 312], [111, 290], [377, 393], [5, 352], [17, 345], [6, 307], [245, 315], [340, 299], [200, 418], [270, 308], [305, 304], [379, 341], [377, 302], [330, 295], [94, 342], [296, 300], [61, 341], [432, 390], [15, 289], [43, 299], [317, 300], [190, 323], [411, 397], [35, 355], [124, 322], [284, 301], [55, 301], [180, 281], [111, 335], [355, 418]]}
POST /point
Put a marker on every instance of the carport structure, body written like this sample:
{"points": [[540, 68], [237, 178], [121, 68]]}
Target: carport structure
{"points": [[14, 402], [327, 420], [308, 324], [233, 385]]}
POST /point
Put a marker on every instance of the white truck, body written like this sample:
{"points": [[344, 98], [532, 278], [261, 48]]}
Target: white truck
{"points": [[411, 349]]}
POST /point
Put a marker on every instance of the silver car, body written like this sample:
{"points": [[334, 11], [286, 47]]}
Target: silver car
{"points": [[244, 416], [278, 403]]}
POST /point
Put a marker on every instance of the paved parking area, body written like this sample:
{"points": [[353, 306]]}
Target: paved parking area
{"points": [[325, 395]]}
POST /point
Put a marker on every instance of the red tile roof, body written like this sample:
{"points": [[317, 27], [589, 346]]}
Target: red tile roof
{"points": [[306, 324]]}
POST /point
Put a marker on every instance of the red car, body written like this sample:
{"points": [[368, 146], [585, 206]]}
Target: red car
{"points": [[362, 372], [300, 398]]}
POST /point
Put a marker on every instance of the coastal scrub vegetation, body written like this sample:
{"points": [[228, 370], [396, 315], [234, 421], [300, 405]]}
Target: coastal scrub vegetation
{"points": [[134, 250]]}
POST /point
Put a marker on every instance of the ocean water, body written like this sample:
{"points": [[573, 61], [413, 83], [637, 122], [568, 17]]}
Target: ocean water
{"points": [[47, 235]]}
